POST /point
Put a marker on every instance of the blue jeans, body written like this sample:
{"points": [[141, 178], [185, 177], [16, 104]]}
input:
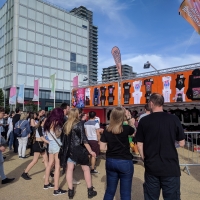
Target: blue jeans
{"points": [[116, 170], [11, 140], [2, 175]]}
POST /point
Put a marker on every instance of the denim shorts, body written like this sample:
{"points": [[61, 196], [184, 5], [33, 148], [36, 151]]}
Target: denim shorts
{"points": [[53, 146], [70, 160]]}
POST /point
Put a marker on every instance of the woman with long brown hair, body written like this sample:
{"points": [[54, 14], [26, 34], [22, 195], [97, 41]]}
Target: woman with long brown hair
{"points": [[38, 148], [119, 165], [76, 150]]}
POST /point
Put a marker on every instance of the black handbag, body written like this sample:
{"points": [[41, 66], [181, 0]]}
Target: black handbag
{"points": [[81, 155], [42, 148]]}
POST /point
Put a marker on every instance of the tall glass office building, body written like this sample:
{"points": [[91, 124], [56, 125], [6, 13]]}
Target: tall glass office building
{"points": [[38, 39]]}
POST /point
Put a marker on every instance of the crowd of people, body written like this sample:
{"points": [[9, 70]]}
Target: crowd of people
{"points": [[68, 136]]}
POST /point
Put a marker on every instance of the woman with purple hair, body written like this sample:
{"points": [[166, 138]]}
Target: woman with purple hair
{"points": [[53, 128]]}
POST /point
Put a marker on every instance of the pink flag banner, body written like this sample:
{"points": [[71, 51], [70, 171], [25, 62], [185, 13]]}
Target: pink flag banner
{"points": [[13, 96], [117, 57], [36, 90], [75, 81]]}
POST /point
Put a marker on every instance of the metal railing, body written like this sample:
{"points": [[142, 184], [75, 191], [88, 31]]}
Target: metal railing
{"points": [[189, 155]]}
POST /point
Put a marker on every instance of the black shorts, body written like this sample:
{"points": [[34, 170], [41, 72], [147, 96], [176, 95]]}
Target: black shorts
{"points": [[94, 146], [36, 147]]}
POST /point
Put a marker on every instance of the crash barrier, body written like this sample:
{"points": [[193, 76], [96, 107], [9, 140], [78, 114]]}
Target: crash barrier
{"points": [[189, 155]]}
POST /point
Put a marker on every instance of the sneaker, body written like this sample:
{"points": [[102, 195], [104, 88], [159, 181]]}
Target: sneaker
{"points": [[59, 192], [26, 176], [93, 171], [20, 157], [7, 180], [50, 185], [91, 192], [75, 182], [23, 157]]}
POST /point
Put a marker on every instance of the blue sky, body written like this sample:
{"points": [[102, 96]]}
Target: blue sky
{"points": [[144, 30]]}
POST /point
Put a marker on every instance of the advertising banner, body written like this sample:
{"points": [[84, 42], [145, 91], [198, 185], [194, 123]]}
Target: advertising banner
{"points": [[20, 98], [36, 90], [177, 87], [53, 82], [117, 57], [94, 96], [13, 96], [75, 81], [80, 98], [190, 10]]}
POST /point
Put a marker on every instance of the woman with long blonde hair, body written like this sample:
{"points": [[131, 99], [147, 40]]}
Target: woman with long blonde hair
{"points": [[76, 150], [119, 165]]}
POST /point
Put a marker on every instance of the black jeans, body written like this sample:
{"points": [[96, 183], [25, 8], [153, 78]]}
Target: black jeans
{"points": [[15, 144], [170, 187]]}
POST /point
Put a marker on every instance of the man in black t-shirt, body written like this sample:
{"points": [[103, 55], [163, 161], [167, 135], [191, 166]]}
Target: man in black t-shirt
{"points": [[156, 137]]}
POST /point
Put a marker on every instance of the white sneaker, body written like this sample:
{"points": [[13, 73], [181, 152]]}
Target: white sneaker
{"points": [[75, 182]]}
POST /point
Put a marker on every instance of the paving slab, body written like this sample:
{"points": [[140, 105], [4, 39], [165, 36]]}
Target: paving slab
{"points": [[22, 189]]}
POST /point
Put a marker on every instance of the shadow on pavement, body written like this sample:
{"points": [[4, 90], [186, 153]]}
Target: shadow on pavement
{"points": [[19, 169]]}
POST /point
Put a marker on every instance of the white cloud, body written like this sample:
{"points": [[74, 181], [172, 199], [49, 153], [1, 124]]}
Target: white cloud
{"points": [[108, 7], [158, 61]]}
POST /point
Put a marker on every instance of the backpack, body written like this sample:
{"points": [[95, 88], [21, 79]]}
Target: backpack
{"points": [[17, 130]]}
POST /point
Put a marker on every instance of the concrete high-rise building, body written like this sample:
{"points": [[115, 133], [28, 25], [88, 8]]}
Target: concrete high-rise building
{"points": [[93, 41], [111, 73], [38, 39]]}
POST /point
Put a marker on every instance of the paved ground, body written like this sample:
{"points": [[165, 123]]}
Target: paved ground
{"points": [[21, 189]]}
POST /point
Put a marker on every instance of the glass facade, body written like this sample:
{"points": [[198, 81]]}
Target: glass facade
{"points": [[6, 43], [52, 41]]}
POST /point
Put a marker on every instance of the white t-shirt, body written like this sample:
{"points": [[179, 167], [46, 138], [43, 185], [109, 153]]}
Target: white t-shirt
{"points": [[87, 92], [49, 135], [97, 119], [10, 123], [137, 86], [91, 126], [166, 82], [137, 96]]}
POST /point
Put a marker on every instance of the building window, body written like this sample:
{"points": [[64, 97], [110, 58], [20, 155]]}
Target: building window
{"points": [[73, 66], [85, 69], [85, 27], [73, 57]]}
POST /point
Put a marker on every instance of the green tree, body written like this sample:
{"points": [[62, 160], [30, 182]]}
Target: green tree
{"points": [[1, 98], [31, 106]]}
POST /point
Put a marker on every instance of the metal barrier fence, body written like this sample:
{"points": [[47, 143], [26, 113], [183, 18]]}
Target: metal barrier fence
{"points": [[189, 155]]}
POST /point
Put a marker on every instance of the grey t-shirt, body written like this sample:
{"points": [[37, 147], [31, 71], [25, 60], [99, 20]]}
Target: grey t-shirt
{"points": [[143, 115]]}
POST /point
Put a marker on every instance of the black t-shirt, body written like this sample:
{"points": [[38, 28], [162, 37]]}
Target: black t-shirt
{"points": [[195, 115], [178, 113], [186, 116], [126, 87], [115, 149], [158, 133], [180, 82]]}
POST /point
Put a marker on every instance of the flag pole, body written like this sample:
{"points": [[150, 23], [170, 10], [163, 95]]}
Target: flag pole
{"points": [[23, 96], [55, 92], [38, 94]]}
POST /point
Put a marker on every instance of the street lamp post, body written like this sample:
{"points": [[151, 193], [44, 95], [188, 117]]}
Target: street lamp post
{"points": [[147, 66]]}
